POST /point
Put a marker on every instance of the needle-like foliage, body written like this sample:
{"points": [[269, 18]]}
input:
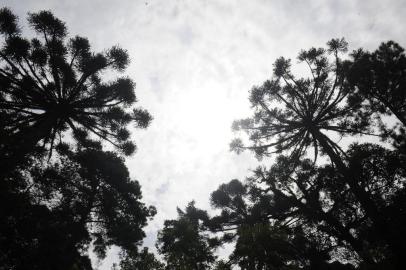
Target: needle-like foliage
{"points": [[143, 260], [380, 77], [291, 112], [51, 85], [182, 242], [52, 214]]}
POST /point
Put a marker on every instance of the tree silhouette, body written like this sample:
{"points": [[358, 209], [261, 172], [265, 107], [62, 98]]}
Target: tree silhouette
{"points": [[304, 195], [50, 85], [349, 210], [380, 78], [143, 260], [53, 213], [290, 114], [316, 196], [260, 246], [183, 242], [222, 265], [53, 91], [32, 236], [269, 230]]}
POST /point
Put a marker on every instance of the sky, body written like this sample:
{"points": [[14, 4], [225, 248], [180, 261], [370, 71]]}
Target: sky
{"points": [[194, 62]]}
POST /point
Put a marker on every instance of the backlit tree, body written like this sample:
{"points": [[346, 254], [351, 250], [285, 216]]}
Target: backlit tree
{"points": [[51, 85]]}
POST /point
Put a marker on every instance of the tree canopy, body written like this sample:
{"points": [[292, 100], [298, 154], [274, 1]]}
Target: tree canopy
{"points": [[183, 242], [52, 85], [87, 197], [380, 78], [63, 196], [343, 212], [60, 192]]}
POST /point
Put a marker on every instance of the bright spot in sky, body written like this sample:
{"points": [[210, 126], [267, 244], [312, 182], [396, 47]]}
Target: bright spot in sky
{"points": [[206, 114]]}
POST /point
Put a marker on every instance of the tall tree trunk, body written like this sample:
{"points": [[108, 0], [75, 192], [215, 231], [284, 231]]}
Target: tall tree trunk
{"points": [[363, 197]]}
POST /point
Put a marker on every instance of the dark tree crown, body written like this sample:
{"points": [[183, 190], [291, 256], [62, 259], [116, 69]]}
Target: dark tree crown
{"points": [[291, 112], [51, 85]]}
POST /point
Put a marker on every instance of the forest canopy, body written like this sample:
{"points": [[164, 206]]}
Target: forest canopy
{"points": [[344, 211], [318, 202], [60, 191]]}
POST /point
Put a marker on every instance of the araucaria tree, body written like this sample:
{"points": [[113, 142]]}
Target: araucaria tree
{"points": [[346, 214], [53, 99], [292, 114], [52, 84]]}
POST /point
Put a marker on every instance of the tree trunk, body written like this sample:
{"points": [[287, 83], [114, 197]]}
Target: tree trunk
{"points": [[363, 197]]}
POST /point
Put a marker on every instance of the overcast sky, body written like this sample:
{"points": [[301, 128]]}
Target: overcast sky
{"points": [[194, 62]]}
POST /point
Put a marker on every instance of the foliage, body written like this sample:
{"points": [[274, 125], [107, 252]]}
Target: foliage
{"points": [[183, 245], [290, 113], [87, 197], [143, 260], [222, 265], [302, 214], [51, 85], [380, 78], [308, 107], [344, 214], [305, 215], [52, 89], [33, 236]]}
